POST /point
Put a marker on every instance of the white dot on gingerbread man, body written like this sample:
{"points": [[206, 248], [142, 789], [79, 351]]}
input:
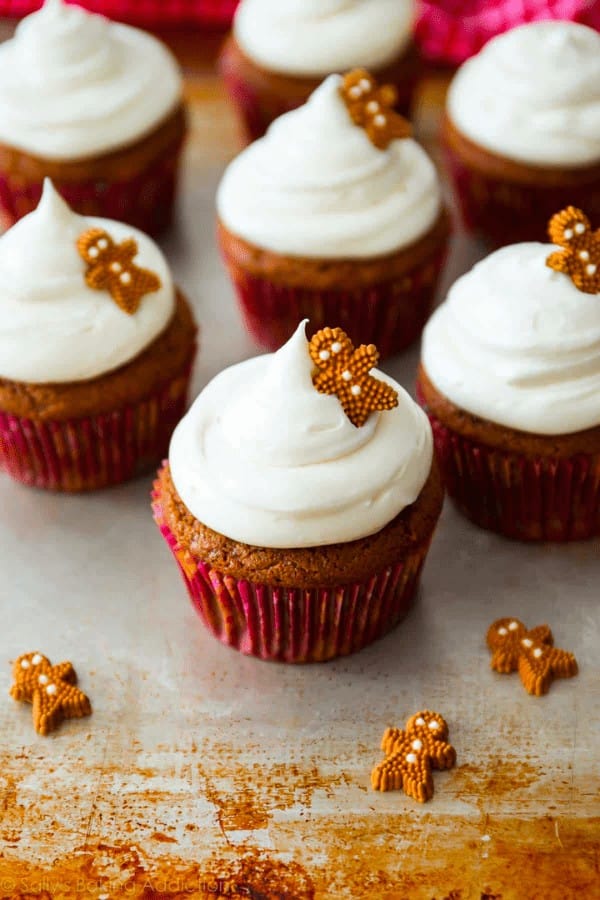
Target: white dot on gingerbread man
{"points": [[412, 754]]}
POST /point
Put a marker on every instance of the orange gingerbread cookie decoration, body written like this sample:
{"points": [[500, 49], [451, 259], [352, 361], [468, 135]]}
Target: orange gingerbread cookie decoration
{"points": [[580, 256], [111, 268], [530, 652], [372, 107], [51, 690], [344, 371], [412, 754]]}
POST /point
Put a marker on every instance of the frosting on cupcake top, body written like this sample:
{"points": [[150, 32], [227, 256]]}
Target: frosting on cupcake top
{"points": [[316, 186], [517, 343], [533, 95], [54, 327], [316, 37], [263, 458], [74, 84]]}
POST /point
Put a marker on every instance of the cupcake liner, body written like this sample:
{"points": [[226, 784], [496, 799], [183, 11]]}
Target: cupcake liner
{"points": [[145, 201], [390, 314], [258, 107], [93, 452], [151, 13], [450, 31], [509, 212], [527, 498], [290, 624]]}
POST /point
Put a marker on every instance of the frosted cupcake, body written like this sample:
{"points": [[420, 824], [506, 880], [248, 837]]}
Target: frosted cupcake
{"points": [[279, 53], [510, 377], [96, 106], [522, 130], [299, 500], [96, 347], [335, 215]]}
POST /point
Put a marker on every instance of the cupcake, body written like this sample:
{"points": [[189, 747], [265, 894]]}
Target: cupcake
{"points": [[522, 130], [278, 53], [450, 31], [97, 107], [510, 378], [299, 500], [96, 348], [335, 215]]}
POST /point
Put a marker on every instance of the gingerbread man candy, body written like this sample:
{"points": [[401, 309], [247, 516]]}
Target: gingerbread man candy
{"points": [[531, 652], [580, 258], [51, 690], [344, 371], [412, 754], [372, 107], [111, 268]]}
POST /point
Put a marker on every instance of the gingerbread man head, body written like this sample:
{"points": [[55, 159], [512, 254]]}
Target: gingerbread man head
{"points": [[580, 256]]}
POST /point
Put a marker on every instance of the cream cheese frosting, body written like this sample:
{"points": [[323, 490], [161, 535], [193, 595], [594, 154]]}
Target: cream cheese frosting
{"points": [[315, 186], [74, 84], [533, 95], [53, 327], [316, 37], [263, 458], [518, 344]]}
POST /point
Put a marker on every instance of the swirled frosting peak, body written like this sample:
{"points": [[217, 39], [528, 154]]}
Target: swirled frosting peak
{"points": [[263, 458], [518, 344], [74, 84], [316, 37], [533, 95], [53, 327], [316, 186]]}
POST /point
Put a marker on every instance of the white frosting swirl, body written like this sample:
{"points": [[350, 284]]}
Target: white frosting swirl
{"points": [[316, 37], [518, 344], [316, 186], [53, 327], [263, 458], [533, 95], [73, 84]]}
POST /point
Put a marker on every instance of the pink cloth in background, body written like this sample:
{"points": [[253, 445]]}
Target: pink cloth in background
{"points": [[449, 31], [149, 13]]}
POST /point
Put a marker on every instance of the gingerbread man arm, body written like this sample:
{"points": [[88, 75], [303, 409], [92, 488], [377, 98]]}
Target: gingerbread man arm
{"points": [[442, 755], [65, 672]]}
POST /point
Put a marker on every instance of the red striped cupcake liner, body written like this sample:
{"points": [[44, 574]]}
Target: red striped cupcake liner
{"points": [[93, 452], [145, 201], [258, 108], [290, 624], [450, 31], [507, 212], [527, 498], [149, 13], [390, 315]]}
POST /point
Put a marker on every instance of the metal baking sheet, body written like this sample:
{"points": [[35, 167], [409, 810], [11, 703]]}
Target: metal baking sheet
{"points": [[202, 772]]}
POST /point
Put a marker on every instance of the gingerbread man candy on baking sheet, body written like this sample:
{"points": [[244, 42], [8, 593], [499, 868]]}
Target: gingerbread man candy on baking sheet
{"points": [[531, 652], [51, 690]]}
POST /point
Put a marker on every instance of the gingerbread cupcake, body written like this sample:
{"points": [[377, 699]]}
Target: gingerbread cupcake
{"points": [[278, 53], [96, 106], [335, 215], [510, 378], [299, 500], [96, 348], [522, 130]]}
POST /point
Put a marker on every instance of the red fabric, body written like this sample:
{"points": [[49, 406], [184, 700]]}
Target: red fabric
{"points": [[149, 13], [450, 31]]}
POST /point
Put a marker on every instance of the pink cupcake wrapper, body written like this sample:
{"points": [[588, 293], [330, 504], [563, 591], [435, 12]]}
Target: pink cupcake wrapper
{"points": [[151, 13], [527, 498], [390, 315], [295, 625], [145, 201], [507, 212], [92, 452], [451, 31], [258, 109]]}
